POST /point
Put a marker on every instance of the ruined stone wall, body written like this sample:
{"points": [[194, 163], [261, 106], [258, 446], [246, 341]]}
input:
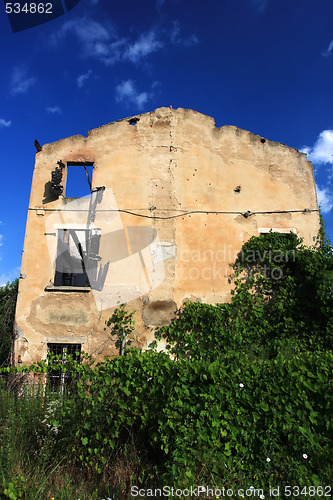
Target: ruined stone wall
{"points": [[171, 220]]}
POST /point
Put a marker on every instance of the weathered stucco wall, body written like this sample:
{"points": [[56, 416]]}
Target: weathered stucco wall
{"points": [[167, 163]]}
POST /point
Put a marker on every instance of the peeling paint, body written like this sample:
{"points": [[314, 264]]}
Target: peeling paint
{"points": [[163, 251]]}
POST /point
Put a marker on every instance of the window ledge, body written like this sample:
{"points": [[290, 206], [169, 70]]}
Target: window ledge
{"points": [[83, 289], [281, 230]]}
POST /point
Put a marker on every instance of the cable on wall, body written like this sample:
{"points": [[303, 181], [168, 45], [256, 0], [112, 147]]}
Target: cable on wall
{"points": [[186, 212]]}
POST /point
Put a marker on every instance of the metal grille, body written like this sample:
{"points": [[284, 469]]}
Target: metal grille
{"points": [[59, 379]]}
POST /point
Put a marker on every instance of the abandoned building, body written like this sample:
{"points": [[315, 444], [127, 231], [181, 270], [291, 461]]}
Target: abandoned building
{"points": [[149, 211]]}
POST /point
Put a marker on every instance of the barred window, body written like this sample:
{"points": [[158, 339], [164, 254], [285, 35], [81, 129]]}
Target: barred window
{"points": [[59, 379]]}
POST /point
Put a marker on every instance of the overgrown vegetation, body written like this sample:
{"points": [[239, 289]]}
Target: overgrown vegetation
{"points": [[8, 295], [245, 399]]}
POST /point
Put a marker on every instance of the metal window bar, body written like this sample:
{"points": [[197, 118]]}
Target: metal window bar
{"points": [[61, 379]]}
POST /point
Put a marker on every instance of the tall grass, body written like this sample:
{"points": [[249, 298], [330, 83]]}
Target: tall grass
{"points": [[35, 462]]}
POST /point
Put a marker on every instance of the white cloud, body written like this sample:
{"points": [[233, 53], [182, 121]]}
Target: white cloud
{"points": [[305, 149], [97, 40], [329, 49], [325, 199], [322, 150], [55, 110], [146, 44], [175, 36], [20, 81], [126, 92], [87, 31], [4, 123], [81, 80], [9, 276], [101, 40]]}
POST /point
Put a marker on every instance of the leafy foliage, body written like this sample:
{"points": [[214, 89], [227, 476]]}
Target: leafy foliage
{"points": [[243, 397], [8, 296], [215, 421], [298, 291], [122, 325], [194, 422]]}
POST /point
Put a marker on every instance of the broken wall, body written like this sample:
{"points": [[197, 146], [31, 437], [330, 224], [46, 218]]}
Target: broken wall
{"points": [[172, 220]]}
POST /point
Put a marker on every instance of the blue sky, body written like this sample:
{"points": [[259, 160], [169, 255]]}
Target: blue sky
{"points": [[262, 65]]}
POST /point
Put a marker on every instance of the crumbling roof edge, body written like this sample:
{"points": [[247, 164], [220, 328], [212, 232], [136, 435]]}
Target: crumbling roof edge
{"points": [[193, 111], [179, 109]]}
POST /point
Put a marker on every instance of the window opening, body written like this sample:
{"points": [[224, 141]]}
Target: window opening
{"points": [[79, 179], [61, 379], [70, 263], [78, 260]]}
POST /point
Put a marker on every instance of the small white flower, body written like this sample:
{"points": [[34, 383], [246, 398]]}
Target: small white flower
{"points": [[241, 385], [268, 459], [262, 496], [251, 487], [305, 456]]}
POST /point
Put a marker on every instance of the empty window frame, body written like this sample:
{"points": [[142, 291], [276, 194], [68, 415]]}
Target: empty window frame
{"points": [[78, 179], [77, 258], [70, 266], [59, 379]]}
